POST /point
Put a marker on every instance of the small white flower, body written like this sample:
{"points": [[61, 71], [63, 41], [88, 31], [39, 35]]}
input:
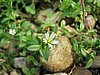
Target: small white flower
{"points": [[49, 39], [12, 31]]}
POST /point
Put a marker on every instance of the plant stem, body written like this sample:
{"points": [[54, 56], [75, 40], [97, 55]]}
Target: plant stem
{"points": [[83, 9]]}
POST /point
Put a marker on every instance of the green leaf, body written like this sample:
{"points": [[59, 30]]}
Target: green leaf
{"points": [[26, 24], [34, 48], [45, 53], [88, 8], [91, 31], [31, 9], [3, 41], [76, 47], [26, 71], [63, 23], [81, 26], [33, 71], [40, 36], [32, 59], [21, 33], [13, 26], [55, 29], [41, 53], [98, 3], [1, 31], [22, 44], [89, 0], [93, 54], [89, 63], [23, 38], [83, 52], [28, 33], [36, 62], [4, 20], [24, 53]]}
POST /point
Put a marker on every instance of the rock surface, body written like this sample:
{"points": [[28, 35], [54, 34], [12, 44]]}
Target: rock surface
{"points": [[90, 21], [2, 72], [14, 72], [71, 31], [20, 62], [55, 16], [60, 57], [81, 71], [57, 74], [96, 63]]}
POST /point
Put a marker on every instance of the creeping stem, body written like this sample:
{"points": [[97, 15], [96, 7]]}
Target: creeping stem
{"points": [[83, 9]]}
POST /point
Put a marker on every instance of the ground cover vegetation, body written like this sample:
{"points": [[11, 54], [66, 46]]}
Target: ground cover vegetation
{"points": [[25, 33]]}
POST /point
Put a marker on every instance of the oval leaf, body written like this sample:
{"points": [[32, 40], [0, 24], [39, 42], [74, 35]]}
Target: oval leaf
{"points": [[4, 20], [81, 26], [89, 63], [34, 70], [34, 48], [26, 71], [31, 9], [83, 53], [63, 23]]}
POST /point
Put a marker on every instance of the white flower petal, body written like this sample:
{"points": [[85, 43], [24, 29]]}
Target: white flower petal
{"points": [[44, 40], [12, 31], [47, 35], [54, 42], [52, 36], [50, 45]]}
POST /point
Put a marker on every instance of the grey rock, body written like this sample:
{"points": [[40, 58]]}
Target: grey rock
{"points": [[55, 17], [90, 21], [5, 74], [14, 72], [20, 62], [2, 72], [96, 63], [71, 31], [60, 57], [81, 71], [42, 15], [57, 74]]}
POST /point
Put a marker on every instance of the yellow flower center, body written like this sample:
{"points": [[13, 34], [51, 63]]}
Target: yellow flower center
{"points": [[49, 41]]}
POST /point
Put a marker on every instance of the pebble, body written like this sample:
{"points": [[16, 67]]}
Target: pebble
{"points": [[20, 62], [81, 71], [96, 63], [14, 72], [57, 74], [2, 72], [55, 16], [90, 21]]}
